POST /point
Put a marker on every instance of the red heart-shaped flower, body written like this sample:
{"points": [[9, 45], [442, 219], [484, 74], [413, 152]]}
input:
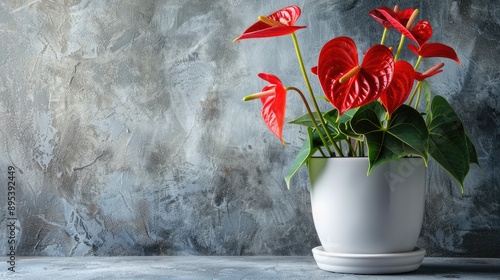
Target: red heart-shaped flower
{"points": [[338, 57], [401, 16], [400, 86], [283, 24], [274, 105], [422, 32], [435, 50]]}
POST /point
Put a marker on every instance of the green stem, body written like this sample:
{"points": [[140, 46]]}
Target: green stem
{"points": [[313, 119], [335, 146], [352, 152], [418, 97], [356, 148], [308, 84], [321, 152], [417, 64], [413, 93], [384, 35], [401, 42], [362, 148], [419, 60]]}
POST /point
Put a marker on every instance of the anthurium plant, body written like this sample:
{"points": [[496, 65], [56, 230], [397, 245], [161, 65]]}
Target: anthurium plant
{"points": [[382, 107]]}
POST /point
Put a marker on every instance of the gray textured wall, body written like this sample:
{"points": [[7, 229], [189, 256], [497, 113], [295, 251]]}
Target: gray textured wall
{"points": [[125, 122]]}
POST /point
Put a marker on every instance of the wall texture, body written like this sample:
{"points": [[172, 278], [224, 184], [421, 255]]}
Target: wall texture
{"points": [[125, 124]]}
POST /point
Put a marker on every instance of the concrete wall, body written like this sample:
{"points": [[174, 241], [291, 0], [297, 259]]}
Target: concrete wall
{"points": [[125, 124]]}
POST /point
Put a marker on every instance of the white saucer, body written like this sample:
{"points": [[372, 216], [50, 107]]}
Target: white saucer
{"points": [[368, 263]]}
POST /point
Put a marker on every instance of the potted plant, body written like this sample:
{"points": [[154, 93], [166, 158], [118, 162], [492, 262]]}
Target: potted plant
{"points": [[367, 155]]}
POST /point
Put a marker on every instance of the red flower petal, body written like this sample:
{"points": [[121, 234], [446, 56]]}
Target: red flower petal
{"points": [[338, 57], [270, 78], [380, 18], [422, 31], [314, 70], [435, 50], [267, 32], [379, 64], [398, 25], [274, 106], [401, 16], [405, 15], [400, 87], [286, 16]]}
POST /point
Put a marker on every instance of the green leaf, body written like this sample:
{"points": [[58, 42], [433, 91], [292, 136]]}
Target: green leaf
{"points": [[317, 140], [472, 151], [347, 130], [428, 96], [448, 143], [347, 115], [333, 115], [332, 118], [305, 120], [322, 97], [404, 134], [304, 153], [345, 127], [332, 126]]}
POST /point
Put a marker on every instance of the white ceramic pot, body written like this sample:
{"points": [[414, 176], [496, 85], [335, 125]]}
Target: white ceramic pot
{"points": [[358, 214]]}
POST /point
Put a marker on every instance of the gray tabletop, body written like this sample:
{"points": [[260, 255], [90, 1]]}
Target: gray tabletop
{"points": [[217, 267]]}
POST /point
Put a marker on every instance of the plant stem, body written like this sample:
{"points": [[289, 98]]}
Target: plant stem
{"points": [[384, 35], [413, 93], [352, 152], [362, 148], [418, 97], [313, 119], [401, 42], [356, 146], [321, 152], [336, 147], [316, 107], [418, 62]]}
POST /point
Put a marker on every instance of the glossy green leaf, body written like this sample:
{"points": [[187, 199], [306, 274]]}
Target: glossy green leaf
{"points": [[428, 99], [322, 97], [347, 130], [404, 134], [306, 120], [448, 142], [331, 125], [332, 118], [472, 151], [305, 152], [336, 135]]}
